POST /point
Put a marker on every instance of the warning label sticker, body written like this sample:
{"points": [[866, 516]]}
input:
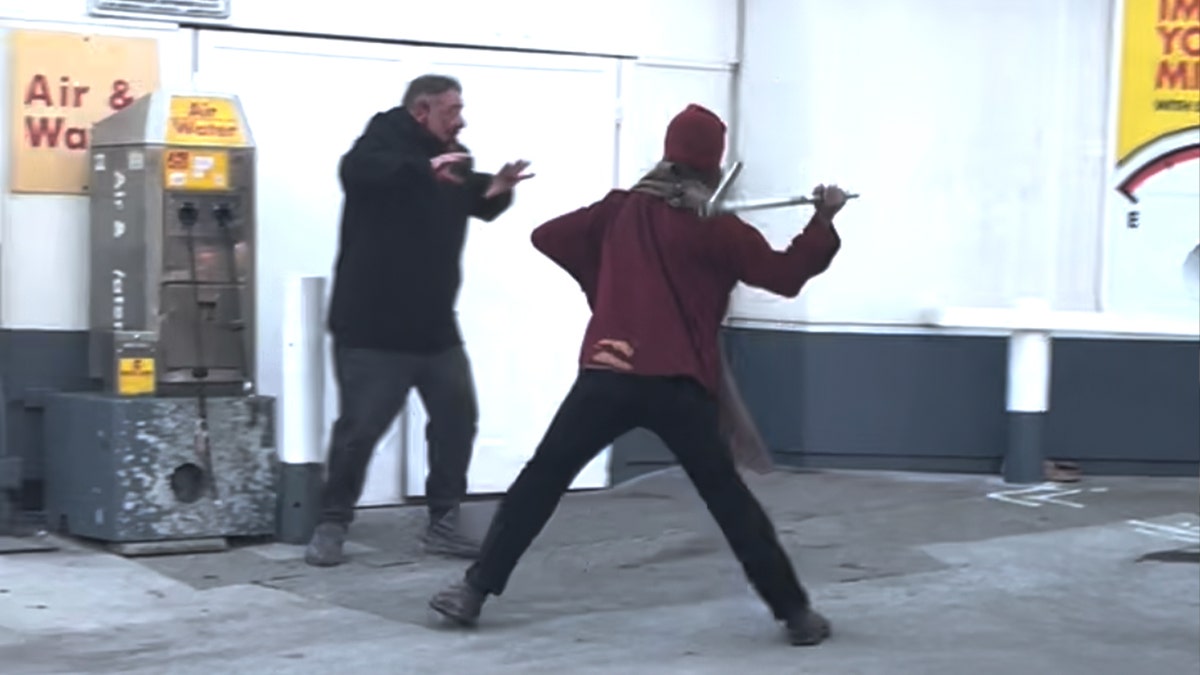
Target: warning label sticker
{"points": [[135, 377]]}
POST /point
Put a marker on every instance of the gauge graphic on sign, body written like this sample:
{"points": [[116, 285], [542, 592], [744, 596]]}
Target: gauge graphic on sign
{"points": [[1163, 154]]}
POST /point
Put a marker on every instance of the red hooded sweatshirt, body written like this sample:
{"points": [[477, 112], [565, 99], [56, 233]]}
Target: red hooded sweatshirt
{"points": [[609, 249]]}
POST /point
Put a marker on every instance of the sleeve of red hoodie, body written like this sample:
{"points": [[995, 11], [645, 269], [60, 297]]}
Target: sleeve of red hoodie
{"points": [[757, 264], [573, 241]]}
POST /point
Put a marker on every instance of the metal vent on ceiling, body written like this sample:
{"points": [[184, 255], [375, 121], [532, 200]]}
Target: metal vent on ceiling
{"points": [[161, 9]]}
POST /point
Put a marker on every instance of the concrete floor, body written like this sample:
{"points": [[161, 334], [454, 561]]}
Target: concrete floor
{"points": [[920, 574]]}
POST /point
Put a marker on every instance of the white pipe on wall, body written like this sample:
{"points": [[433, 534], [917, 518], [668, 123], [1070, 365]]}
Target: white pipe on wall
{"points": [[1104, 242], [302, 394]]}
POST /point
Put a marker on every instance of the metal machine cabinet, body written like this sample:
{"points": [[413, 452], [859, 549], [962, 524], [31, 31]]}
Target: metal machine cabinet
{"points": [[127, 469], [172, 241], [175, 445]]}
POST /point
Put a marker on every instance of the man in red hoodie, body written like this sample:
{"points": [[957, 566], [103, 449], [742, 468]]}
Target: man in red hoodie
{"points": [[658, 276]]}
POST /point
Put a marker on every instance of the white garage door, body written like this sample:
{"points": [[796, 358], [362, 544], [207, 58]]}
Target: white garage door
{"points": [[521, 317]]}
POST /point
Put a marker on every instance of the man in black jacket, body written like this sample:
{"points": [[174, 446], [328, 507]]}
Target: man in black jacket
{"points": [[409, 191]]}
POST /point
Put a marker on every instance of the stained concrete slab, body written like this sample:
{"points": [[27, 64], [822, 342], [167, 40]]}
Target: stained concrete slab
{"points": [[920, 574], [35, 544]]}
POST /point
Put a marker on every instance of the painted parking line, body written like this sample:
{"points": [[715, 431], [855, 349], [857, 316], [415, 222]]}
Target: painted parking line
{"points": [[1038, 496], [1181, 531]]}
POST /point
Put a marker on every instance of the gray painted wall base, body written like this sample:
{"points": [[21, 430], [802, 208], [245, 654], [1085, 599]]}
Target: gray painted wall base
{"points": [[936, 403], [10, 483], [824, 400], [1121, 403], [10, 473], [34, 364]]}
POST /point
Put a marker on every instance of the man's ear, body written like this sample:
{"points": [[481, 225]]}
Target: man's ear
{"points": [[420, 110]]}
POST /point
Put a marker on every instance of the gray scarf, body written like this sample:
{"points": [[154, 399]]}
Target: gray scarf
{"points": [[680, 186]]}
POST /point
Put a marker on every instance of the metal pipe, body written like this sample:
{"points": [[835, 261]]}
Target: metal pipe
{"points": [[718, 195], [772, 203], [716, 203]]}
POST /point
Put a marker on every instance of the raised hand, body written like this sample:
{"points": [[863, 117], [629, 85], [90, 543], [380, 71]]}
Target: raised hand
{"points": [[830, 199], [443, 166], [507, 177]]}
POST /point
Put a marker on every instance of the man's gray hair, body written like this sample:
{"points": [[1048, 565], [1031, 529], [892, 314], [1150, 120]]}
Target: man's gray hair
{"points": [[428, 85]]}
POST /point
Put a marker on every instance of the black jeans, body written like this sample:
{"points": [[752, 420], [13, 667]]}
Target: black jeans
{"points": [[603, 405], [373, 387]]}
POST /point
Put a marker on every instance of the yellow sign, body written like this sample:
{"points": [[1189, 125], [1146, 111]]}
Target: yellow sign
{"points": [[1159, 74], [205, 121], [135, 377], [195, 169], [61, 84]]}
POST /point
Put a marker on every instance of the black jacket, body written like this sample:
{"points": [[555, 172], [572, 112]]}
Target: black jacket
{"points": [[398, 269]]}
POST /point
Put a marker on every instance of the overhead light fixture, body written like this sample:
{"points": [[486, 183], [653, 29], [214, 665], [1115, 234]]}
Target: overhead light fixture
{"points": [[161, 9]]}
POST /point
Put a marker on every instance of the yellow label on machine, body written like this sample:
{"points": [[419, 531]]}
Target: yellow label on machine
{"points": [[205, 120], [135, 376], [195, 169]]}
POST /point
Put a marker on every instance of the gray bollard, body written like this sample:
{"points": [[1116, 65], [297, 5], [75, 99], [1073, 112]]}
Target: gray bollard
{"points": [[1024, 459], [299, 501]]}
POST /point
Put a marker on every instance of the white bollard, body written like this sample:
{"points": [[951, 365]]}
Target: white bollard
{"points": [[302, 406], [1028, 397], [303, 391]]}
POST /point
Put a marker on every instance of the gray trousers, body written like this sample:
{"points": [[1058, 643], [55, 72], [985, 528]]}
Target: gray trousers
{"points": [[373, 387]]}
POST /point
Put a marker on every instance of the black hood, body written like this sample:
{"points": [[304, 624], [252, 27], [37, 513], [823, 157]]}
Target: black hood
{"points": [[403, 122]]}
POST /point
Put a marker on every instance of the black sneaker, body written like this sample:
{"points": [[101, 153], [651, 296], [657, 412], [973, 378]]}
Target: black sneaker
{"points": [[325, 548], [806, 628], [460, 602]]}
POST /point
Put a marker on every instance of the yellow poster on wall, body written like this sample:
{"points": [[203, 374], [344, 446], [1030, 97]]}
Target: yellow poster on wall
{"points": [[1158, 110], [60, 85], [1152, 201]]}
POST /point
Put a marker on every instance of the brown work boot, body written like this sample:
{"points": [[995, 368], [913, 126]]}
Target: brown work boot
{"points": [[806, 628], [443, 537], [325, 548], [460, 602]]}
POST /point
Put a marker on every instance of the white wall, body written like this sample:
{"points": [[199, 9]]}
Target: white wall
{"points": [[43, 244], [684, 30], [587, 123], [607, 112], [692, 30], [520, 318], [975, 131], [654, 92]]}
